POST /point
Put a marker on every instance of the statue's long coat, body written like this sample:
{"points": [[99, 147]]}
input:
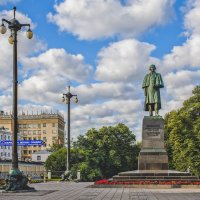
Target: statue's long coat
{"points": [[151, 84]]}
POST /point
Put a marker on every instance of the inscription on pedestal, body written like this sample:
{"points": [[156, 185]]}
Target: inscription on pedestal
{"points": [[152, 131]]}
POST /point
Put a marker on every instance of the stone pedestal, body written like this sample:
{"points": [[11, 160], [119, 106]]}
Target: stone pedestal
{"points": [[153, 155]]}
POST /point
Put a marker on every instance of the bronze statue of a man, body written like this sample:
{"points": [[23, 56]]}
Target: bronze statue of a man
{"points": [[151, 85]]}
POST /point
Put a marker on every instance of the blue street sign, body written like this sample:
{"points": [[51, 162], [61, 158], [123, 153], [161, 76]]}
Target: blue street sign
{"points": [[22, 143]]}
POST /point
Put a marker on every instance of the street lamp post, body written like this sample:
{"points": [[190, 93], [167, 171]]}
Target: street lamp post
{"points": [[14, 27], [67, 99]]}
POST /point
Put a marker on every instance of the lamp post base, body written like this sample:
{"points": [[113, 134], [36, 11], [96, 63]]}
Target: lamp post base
{"points": [[66, 176], [16, 180]]}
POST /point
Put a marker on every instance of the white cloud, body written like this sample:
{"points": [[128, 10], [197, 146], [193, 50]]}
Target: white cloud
{"points": [[99, 18], [107, 113], [187, 55], [25, 47], [179, 85], [98, 92], [126, 60], [51, 73], [6, 101], [121, 66], [59, 62]]}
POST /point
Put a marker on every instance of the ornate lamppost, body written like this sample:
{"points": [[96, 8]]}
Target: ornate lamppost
{"points": [[17, 180], [67, 99]]}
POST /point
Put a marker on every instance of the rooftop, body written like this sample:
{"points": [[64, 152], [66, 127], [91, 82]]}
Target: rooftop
{"points": [[37, 115]]}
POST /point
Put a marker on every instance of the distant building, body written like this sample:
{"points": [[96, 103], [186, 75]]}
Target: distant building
{"points": [[26, 167], [48, 127], [40, 156], [6, 151]]}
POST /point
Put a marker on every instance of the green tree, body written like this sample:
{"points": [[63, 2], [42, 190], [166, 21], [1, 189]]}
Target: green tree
{"points": [[56, 146], [57, 160], [182, 131], [108, 151], [99, 153]]}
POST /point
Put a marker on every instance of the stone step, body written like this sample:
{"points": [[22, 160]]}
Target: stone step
{"points": [[122, 178], [154, 174]]}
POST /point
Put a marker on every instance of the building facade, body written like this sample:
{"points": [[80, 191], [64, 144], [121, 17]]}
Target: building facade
{"points": [[40, 156], [6, 151], [48, 127]]}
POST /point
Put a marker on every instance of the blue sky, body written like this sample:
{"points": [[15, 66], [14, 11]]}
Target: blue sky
{"points": [[103, 49]]}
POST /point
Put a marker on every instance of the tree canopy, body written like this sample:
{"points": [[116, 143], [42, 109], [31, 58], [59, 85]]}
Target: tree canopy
{"points": [[99, 153], [182, 131]]}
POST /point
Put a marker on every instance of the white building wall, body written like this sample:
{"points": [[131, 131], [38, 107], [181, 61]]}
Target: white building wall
{"points": [[40, 157], [6, 151]]}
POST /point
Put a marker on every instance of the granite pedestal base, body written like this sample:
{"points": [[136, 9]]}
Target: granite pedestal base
{"points": [[153, 155]]}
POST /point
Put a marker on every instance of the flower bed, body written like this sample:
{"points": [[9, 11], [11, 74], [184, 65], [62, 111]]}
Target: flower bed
{"points": [[147, 182]]}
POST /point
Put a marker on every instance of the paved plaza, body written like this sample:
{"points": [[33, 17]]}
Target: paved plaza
{"points": [[80, 191]]}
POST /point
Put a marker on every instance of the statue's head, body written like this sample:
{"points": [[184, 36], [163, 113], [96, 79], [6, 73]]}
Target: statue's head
{"points": [[152, 68]]}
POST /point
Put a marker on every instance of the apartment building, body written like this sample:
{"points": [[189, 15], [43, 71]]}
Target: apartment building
{"points": [[48, 127]]}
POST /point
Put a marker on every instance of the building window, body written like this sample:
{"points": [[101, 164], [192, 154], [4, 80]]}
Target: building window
{"points": [[39, 132], [34, 132], [29, 152], [8, 154], [38, 157], [53, 125], [30, 138], [8, 147], [44, 139], [24, 125], [25, 152], [44, 131], [44, 125], [29, 132], [1, 153], [8, 137], [39, 125]]}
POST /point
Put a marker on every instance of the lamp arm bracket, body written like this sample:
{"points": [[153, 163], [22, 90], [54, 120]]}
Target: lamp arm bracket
{"points": [[25, 25], [5, 20]]}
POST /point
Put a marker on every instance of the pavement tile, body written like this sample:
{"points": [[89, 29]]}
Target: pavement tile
{"points": [[81, 191]]}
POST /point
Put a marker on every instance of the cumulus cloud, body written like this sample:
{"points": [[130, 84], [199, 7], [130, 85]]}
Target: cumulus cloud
{"points": [[51, 72], [114, 93], [96, 19], [107, 113], [62, 63], [180, 84], [97, 92], [126, 60], [187, 55], [26, 47]]}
